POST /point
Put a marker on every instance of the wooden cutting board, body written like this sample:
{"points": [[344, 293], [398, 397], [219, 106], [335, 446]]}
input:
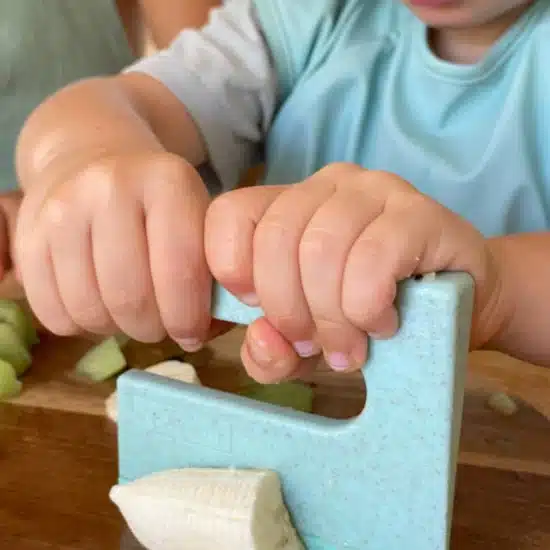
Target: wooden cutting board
{"points": [[58, 451], [520, 442]]}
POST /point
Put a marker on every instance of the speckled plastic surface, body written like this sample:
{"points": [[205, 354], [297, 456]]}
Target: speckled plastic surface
{"points": [[382, 481]]}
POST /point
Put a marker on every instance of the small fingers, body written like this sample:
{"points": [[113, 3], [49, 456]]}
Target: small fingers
{"points": [[388, 250], [36, 271], [277, 270], [252, 238], [323, 253], [121, 259], [176, 201], [230, 225], [69, 234]]}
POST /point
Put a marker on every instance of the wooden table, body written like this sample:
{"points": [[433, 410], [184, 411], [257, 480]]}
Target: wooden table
{"points": [[58, 452]]}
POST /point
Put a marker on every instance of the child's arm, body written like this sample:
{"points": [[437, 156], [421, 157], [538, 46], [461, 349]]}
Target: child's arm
{"points": [[524, 261], [110, 232], [105, 115], [373, 229], [209, 96], [166, 18]]}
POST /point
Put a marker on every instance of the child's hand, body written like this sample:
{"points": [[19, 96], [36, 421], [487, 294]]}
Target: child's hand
{"points": [[323, 258], [117, 244]]}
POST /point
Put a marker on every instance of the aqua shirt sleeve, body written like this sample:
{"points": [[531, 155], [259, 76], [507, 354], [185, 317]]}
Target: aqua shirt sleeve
{"points": [[223, 74]]}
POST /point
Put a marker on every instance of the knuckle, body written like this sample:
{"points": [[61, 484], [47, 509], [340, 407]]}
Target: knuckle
{"points": [[336, 174], [273, 234], [389, 179], [336, 169], [363, 308], [328, 326], [56, 212], [415, 205], [172, 168], [291, 324], [177, 175], [99, 177], [318, 245], [94, 184], [371, 248]]}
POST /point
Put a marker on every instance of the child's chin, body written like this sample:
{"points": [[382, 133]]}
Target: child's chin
{"points": [[443, 17]]}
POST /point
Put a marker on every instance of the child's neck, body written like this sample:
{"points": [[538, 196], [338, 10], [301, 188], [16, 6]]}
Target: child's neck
{"points": [[468, 45]]}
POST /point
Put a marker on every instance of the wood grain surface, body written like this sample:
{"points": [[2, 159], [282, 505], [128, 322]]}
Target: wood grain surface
{"points": [[58, 451]]}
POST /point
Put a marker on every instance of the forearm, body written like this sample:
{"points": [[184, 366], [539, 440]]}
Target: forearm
{"points": [[165, 19], [524, 299], [105, 116]]}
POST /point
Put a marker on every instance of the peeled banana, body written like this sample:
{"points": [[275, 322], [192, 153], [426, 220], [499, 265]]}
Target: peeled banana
{"points": [[176, 370], [207, 509]]}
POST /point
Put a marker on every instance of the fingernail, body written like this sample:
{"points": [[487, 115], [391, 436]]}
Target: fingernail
{"points": [[190, 345], [306, 348], [338, 361], [250, 299], [259, 351]]}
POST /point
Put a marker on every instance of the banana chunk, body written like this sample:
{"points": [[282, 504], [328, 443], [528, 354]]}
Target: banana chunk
{"points": [[176, 370], [502, 404], [207, 509]]}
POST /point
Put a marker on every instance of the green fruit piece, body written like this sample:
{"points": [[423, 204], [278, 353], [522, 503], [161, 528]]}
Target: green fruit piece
{"points": [[294, 395], [13, 314], [102, 361], [9, 385], [13, 349]]}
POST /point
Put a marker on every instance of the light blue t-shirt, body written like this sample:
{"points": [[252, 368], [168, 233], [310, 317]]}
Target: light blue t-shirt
{"points": [[310, 82]]}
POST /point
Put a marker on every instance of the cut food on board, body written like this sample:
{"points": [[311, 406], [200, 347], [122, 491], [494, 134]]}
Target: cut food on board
{"points": [[102, 361], [176, 370], [17, 338], [207, 509]]}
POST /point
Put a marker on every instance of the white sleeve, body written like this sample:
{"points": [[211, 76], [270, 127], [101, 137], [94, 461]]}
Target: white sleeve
{"points": [[224, 76]]}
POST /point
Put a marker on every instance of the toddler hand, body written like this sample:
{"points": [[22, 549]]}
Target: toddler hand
{"points": [[322, 259], [117, 244]]}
